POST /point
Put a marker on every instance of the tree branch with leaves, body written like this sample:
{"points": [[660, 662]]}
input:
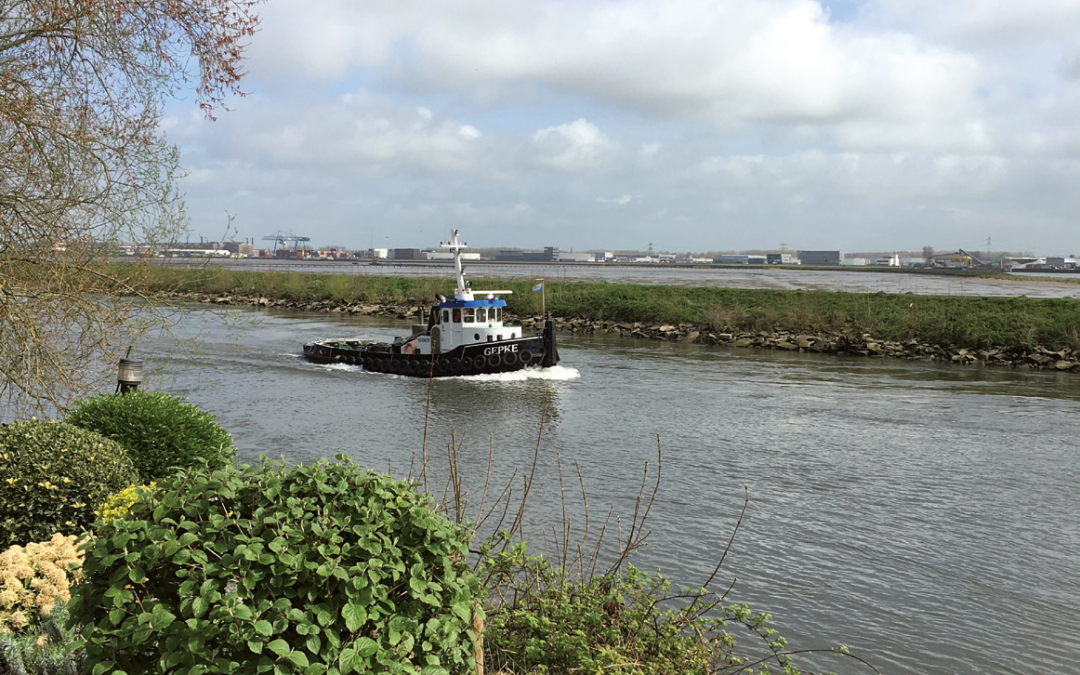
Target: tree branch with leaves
{"points": [[84, 166]]}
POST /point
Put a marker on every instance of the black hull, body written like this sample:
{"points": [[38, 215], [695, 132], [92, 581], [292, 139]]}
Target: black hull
{"points": [[487, 357]]}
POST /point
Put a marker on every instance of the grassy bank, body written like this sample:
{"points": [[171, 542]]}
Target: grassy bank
{"points": [[971, 322]]}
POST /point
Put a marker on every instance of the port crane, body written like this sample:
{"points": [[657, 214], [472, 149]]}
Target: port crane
{"points": [[283, 238]]}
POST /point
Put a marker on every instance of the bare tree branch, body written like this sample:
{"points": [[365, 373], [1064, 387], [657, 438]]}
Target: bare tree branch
{"points": [[84, 167]]}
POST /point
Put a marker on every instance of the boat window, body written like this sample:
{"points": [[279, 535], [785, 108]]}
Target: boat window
{"points": [[481, 315], [446, 316], [495, 314], [470, 315], [457, 315]]}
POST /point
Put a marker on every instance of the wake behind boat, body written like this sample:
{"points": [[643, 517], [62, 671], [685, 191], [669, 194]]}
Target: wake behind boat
{"points": [[465, 335]]}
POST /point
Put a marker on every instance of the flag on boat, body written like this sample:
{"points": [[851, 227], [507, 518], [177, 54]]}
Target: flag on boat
{"points": [[538, 287]]}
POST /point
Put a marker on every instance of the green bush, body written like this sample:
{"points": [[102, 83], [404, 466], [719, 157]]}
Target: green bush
{"points": [[160, 432], [625, 622], [321, 569], [52, 477], [47, 647]]}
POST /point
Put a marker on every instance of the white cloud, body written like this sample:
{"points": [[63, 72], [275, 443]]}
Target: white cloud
{"points": [[731, 62], [979, 23], [576, 146], [354, 130], [757, 122]]}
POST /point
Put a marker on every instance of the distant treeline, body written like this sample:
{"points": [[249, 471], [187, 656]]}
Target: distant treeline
{"points": [[972, 322]]}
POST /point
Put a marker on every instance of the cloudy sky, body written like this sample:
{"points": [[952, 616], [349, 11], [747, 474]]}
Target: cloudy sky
{"points": [[693, 125]]}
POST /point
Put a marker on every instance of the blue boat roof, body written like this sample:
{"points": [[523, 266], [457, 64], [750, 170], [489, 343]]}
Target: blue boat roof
{"points": [[496, 302]]}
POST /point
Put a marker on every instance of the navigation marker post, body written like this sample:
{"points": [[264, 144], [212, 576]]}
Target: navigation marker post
{"points": [[539, 288]]}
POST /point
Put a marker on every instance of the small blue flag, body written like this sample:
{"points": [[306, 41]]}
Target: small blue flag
{"points": [[538, 287]]}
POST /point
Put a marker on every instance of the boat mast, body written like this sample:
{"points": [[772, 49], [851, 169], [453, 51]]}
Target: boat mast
{"points": [[462, 292]]}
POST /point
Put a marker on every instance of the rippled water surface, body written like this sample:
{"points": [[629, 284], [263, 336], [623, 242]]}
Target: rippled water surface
{"points": [[923, 515]]}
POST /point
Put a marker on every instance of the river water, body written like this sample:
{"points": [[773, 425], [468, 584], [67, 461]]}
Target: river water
{"points": [[924, 515]]}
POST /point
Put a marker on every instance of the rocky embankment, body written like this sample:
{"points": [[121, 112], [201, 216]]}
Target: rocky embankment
{"points": [[852, 344], [831, 343]]}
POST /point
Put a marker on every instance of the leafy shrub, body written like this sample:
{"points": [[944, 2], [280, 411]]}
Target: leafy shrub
{"points": [[119, 505], [35, 578], [52, 475], [622, 623], [320, 569], [47, 647], [160, 432]]}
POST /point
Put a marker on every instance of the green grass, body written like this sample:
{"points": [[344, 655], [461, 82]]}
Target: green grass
{"points": [[972, 322]]}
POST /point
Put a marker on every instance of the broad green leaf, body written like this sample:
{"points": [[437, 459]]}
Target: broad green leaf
{"points": [[347, 658], [101, 667], [279, 647], [463, 610], [161, 618], [365, 646], [355, 615]]}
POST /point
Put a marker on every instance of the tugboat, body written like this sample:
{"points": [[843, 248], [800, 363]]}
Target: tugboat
{"points": [[465, 335]]}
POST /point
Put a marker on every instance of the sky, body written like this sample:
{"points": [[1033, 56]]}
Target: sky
{"points": [[690, 125]]}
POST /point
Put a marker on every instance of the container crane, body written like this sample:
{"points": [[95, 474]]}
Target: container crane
{"points": [[283, 238]]}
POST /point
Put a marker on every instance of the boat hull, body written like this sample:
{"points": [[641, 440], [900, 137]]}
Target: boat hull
{"points": [[473, 359]]}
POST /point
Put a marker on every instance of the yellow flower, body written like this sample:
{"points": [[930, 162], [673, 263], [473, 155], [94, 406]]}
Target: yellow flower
{"points": [[34, 578], [8, 598], [12, 481]]}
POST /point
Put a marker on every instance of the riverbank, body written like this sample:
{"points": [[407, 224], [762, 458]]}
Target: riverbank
{"points": [[738, 325]]}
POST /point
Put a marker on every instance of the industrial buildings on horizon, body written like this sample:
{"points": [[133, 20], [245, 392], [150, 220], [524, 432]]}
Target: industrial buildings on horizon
{"points": [[292, 246]]}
